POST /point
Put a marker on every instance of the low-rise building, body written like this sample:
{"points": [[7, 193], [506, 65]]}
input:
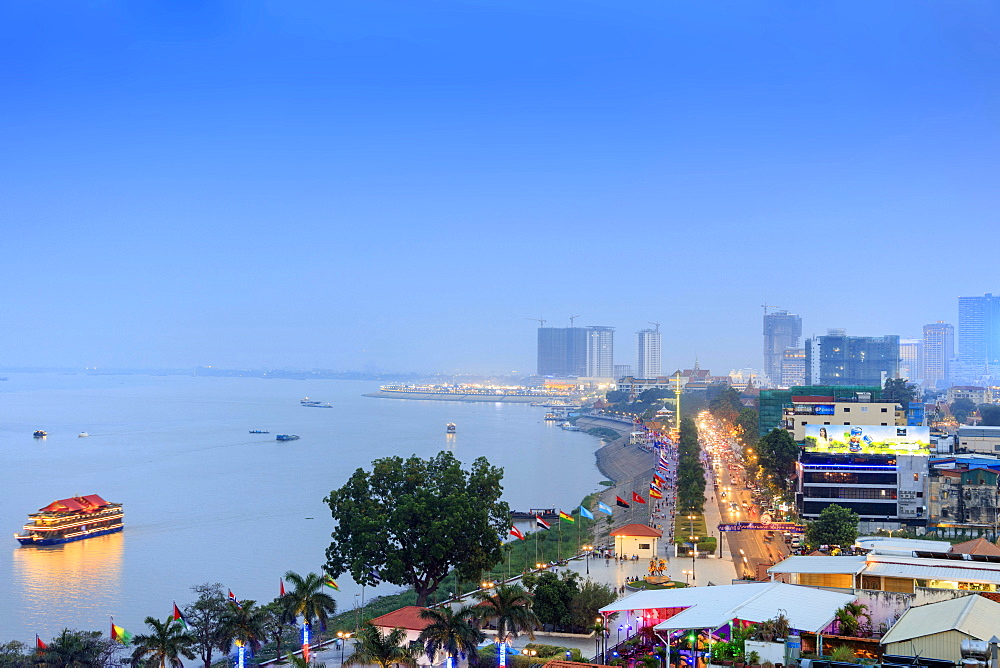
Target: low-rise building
{"points": [[637, 539], [963, 495], [827, 410], [984, 440], [978, 395], [936, 630]]}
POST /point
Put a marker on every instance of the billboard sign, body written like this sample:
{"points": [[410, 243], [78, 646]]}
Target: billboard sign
{"points": [[868, 439], [823, 409], [790, 527]]}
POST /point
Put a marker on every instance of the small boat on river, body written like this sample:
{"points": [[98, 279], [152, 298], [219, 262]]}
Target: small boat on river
{"points": [[286, 437]]}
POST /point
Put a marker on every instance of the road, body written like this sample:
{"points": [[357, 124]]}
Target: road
{"points": [[728, 490]]}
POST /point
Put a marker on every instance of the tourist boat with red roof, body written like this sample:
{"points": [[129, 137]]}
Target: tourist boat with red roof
{"points": [[72, 519]]}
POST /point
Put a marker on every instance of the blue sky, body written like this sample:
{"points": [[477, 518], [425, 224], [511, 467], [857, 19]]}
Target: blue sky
{"points": [[399, 185]]}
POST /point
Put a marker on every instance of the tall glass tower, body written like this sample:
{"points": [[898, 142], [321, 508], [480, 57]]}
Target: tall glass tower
{"points": [[979, 332], [781, 330]]}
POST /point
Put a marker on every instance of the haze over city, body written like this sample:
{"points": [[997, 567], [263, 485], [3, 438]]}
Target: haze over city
{"points": [[400, 186]]}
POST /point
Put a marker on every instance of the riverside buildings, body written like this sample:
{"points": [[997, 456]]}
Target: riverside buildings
{"points": [[782, 330], [938, 351], [978, 334], [648, 351], [571, 352], [838, 359]]}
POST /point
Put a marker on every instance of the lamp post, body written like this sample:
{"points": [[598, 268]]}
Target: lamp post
{"points": [[343, 636], [694, 553], [620, 627], [588, 549], [687, 578]]}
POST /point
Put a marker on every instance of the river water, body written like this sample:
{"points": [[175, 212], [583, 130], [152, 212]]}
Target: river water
{"points": [[205, 501]]}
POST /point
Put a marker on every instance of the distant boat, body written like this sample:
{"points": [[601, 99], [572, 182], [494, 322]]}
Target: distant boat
{"points": [[286, 437], [550, 417], [40, 433], [569, 426], [450, 428], [312, 403], [83, 434], [259, 431]]}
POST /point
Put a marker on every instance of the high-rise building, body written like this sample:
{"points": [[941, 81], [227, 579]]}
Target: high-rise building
{"points": [[939, 349], [622, 371], [600, 352], [793, 367], [852, 360], [910, 359], [648, 350], [781, 330], [562, 351], [979, 333]]}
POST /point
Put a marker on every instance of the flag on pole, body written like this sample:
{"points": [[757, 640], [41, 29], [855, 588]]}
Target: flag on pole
{"points": [[330, 582], [586, 513], [282, 590], [234, 600], [621, 502], [375, 574], [118, 634], [516, 533], [540, 523], [39, 645], [662, 463], [655, 493], [178, 617], [659, 481], [637, 498], [604, 508], [566, 516]]}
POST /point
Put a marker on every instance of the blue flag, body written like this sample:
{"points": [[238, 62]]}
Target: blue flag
{"points": [[586, 513], [603, 508]]}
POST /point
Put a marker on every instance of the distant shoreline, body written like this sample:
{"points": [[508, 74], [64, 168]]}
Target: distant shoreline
{"points": [[430, 396]]}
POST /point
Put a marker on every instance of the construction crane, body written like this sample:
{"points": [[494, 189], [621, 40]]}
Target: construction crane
{"points": [[571, 319], [767, 306], [657, 325], [539, 320]]}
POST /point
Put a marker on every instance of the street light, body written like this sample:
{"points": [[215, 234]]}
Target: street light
{"points": [[344, 637], [687, 580], [588, 549], [694, 553]]}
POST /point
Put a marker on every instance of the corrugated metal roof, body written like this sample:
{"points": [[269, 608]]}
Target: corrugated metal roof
{"points": [[973, 615], [807, 609], [888, 543], [825, 565], [942, 572]]}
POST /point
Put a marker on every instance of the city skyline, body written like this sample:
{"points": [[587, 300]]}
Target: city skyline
{"points": [[402, 186]]}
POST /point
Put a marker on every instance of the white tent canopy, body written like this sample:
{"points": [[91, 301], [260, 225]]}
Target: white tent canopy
{"points": [[806, 608]]}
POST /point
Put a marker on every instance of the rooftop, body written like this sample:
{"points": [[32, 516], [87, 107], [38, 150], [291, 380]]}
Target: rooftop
{"points": [[637, 530], [973, 615], [405, 618]]}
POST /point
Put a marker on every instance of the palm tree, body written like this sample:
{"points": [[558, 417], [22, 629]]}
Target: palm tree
{"points": [[373, 647], [279, 619], [166, 644], [455, 633], [509, 606], [308, 599], [849, 618], [244, 624]]}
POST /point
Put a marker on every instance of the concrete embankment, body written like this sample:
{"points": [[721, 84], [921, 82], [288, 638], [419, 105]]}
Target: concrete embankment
{"points": [[432, 396], [630, 468]]}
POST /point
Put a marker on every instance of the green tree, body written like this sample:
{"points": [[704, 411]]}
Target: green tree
{"points": [[835, 525], [898, 390], [591, 597], [990, 414], [279, 620], [245, 624], [308, 600], [415, 520], [205, 620], [75, 649], [509, 607], [747, 423], [726, 406], [554, 598], [373, 647], [14, 654], [165, 645], [849, 618], [455, 633], [964, 405], [777, 454]]}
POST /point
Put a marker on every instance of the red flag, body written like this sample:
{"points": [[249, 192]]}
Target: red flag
{"points": [[637, 498], [514, 531], [282, 581], [39, 645], [621, 502], [655, 493]]}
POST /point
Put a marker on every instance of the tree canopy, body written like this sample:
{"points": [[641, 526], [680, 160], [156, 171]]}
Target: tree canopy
{"points": [[898, 390], [990, 414], [777, 453], [835, 525], [409, 522]]}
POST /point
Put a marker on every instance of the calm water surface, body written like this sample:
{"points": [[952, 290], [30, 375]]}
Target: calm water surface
{"points": [[205, 501]]}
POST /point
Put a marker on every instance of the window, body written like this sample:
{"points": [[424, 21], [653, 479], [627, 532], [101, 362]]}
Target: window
{"points": [[804, 423], [826, 423], [864, 409], [885, 410], [847, 423], [920, 495], [916, 477], [643, 546], [885, 424], [847, 409]]}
